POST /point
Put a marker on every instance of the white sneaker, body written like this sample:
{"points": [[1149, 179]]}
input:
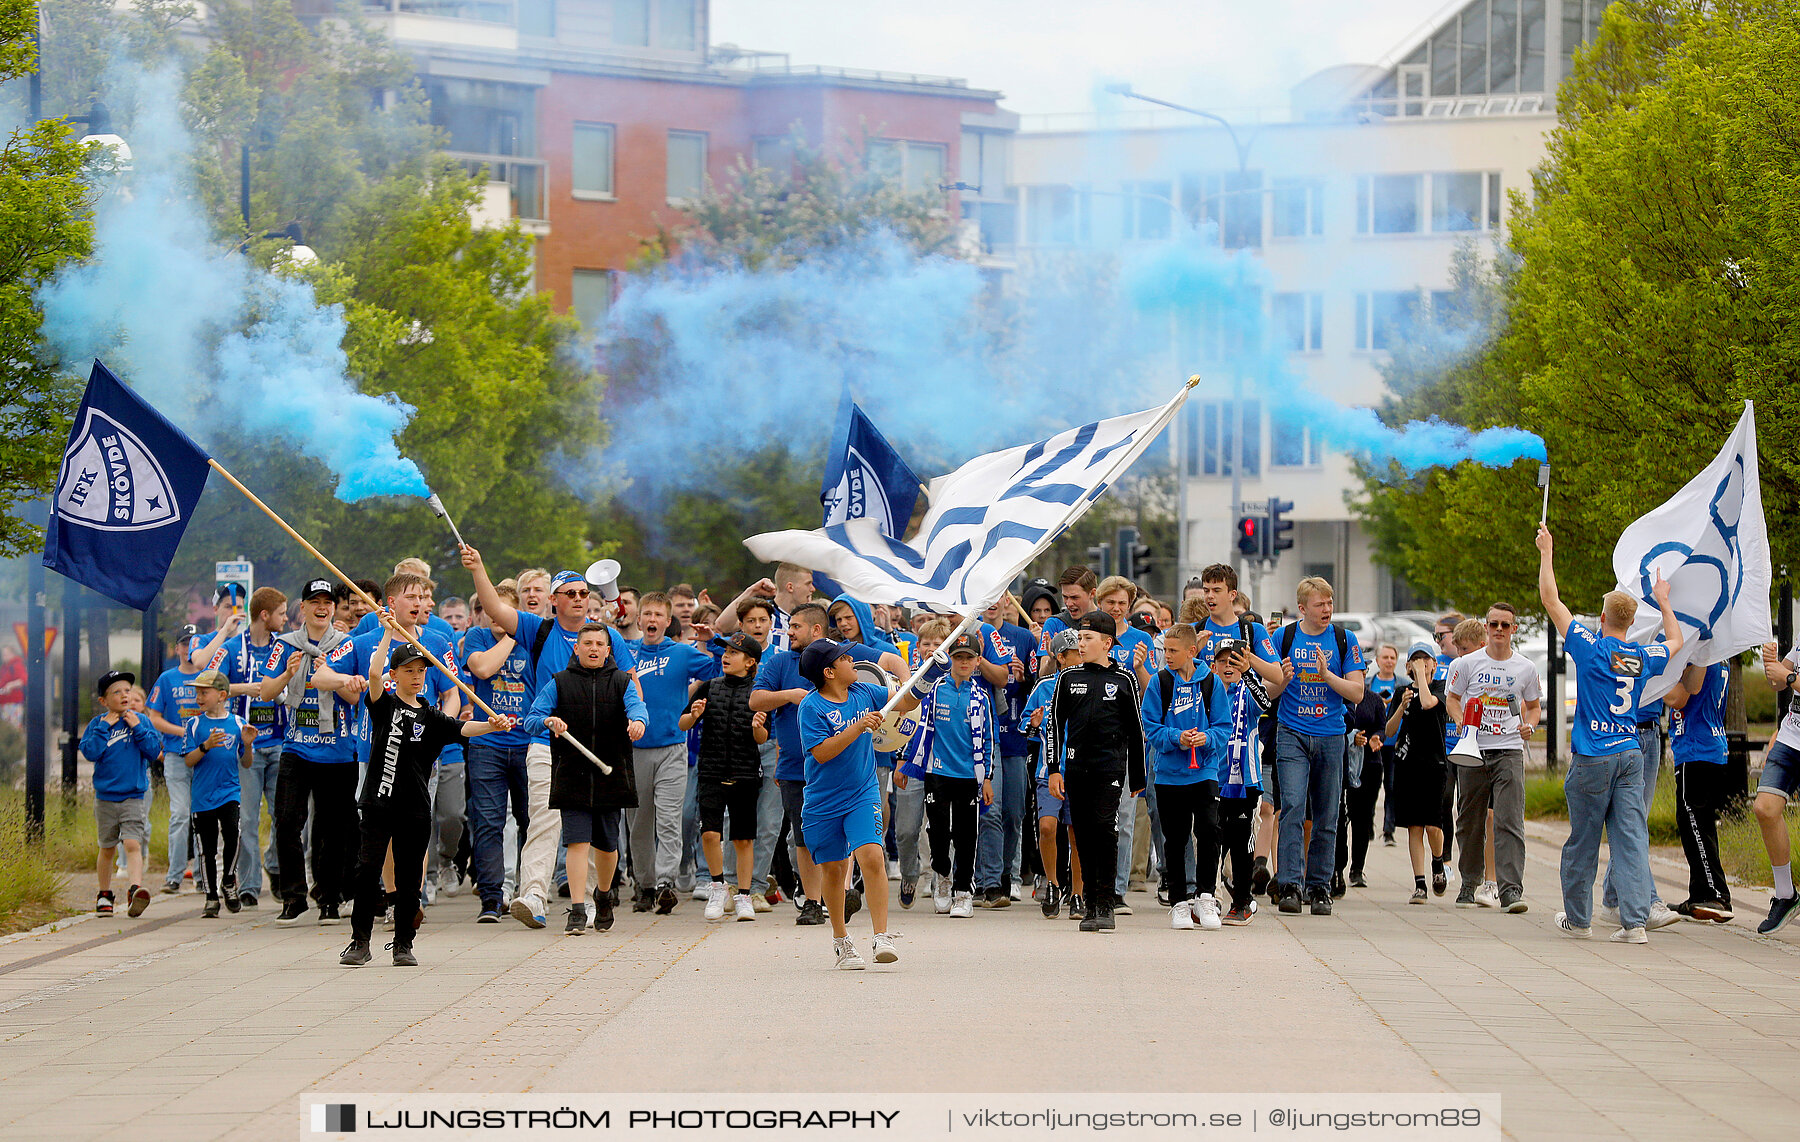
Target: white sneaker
{"points": [[1018, 892], [963, 905], [1206, 912], [1661, 916], [745, 909], [885, 951], [1629, 936], [703, 890], [1181, 917], [715, 901], [1606, 915], [1570, 930], [449, 884], [1488, 895], [430, 893], [940, 896], [847, 959]]}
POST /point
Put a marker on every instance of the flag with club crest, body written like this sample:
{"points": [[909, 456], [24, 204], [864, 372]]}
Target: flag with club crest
{"points": [[865, 478]]}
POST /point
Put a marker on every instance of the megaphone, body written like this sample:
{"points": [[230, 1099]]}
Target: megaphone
{"points": [[1467, 752], [604, 577]]}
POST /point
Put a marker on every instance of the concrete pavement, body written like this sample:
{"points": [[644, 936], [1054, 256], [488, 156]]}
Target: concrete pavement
{"points": [[195, 1029]]}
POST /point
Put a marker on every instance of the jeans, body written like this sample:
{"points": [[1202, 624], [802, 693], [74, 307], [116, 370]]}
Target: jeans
{"points": [[1650, 747], [997, 845], [909, 822], [1311, 769], [692, 859], [1124, 828], [257, 785], [449, 801], [180, 780], [768, 826], [495, 772], [1606, 792], [656, 823]]}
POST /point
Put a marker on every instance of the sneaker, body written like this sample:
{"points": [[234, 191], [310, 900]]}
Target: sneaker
{"points": [[247, 899], [1090, 920], [578, 920], [771, 893], [1321, 904], [940, 896], [1162, 892], [1387, 840], [666, 899], [1108, 909], [1781, 910], [291, 911], [699, 892], [1465, 897], [1339, 887], [528, 911], [356, 955], [603, 912], [745, 909], [1357, 879], [404, 958], [103, 903], [643, 900], [139, 899], [1050, 900], [211, 911], [760, 903], [852, 903], [428, 894], [448, 882], [962, 905], [1440, 884], [1419, 896], [232, 903], [328, 915], [885, 951], [909, 891], [812, 914], [1181, 916], [490, 914], [999, 898], [715, 900], [1259, 879], [1120, 908], [1512, 900], [1717, 911], [1289, 904], [1570, 930], [1661, 916], [1206, 913], [847, 959], [1630, 936], [1488, 895], [1077, 907], [1607, 915], [1015, 894], [170, 889], [1240, 915]]}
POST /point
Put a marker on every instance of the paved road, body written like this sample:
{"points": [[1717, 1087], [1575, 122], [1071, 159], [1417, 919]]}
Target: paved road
{"points": [[194, 1029]]}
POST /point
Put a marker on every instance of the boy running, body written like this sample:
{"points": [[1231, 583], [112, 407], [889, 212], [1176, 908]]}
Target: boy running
{"points": [[215, 744], [123, 745]]}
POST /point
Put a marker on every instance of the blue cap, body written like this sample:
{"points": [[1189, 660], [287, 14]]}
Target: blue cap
{"points": [[820, 654], [564, 578]]}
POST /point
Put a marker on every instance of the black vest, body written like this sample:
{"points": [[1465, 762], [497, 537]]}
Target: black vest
{"points": [[728, 750], [592, 702]]}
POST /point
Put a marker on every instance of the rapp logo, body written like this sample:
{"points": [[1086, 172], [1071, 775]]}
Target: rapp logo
{"points": [[111, 481]]}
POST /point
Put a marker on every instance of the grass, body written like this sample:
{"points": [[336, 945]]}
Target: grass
{"points": [[34, 876], [1740, 838]]}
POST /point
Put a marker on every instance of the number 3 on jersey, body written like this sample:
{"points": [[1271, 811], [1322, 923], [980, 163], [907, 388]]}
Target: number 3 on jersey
{"points": [[1622, 703]]}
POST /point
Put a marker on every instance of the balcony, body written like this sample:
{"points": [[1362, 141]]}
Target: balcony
{"points": [[463, 23], [517, 188]]}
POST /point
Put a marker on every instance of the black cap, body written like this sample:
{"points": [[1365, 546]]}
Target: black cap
{"points": [[228, 591], [111, 676], [964, 643], [745, 645], [187, 632], [1099, 622], [819, 654], [1224, 646], [404, 653], [1144, 622], [316, 587]]}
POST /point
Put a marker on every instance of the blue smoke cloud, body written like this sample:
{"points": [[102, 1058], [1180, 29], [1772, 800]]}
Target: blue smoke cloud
{"points": [[215, 343]]}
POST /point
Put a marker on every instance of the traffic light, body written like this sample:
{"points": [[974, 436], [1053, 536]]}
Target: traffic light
{"points": [[1134, 557], [1250, 537], [1279, 539], [1100, 559]]}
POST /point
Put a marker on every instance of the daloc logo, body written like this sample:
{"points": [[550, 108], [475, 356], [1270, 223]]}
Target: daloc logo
{"points": [[111, 481]]}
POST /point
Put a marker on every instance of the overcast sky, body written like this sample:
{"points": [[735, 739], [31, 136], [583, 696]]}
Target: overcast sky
{"points": [[1049, 55]]}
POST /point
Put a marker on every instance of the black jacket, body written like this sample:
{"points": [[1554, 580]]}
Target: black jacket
{"points": [[592, 702], [1094, 720], [728, 749]]}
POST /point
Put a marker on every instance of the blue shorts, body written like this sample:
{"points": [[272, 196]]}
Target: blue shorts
{"points": [[1048, 806], [1780, 770], [835, 838]]}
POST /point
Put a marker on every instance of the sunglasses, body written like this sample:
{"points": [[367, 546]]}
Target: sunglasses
{"points": [[574, 594], [1501, 626]]}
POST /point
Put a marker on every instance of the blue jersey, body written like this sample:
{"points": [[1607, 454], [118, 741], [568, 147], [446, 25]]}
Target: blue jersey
{"points": [[506, 691], [173, 698], [241, 661], [1309, 705], [847, 781], [1610, 674], [121, 757], [559, 647], [305, 736], [1697, 730], [1240, 761], [1039, 700], [1383, 687], [216, 776], [1124, 650], [664, 670], [1009, 703], [780, 670]]}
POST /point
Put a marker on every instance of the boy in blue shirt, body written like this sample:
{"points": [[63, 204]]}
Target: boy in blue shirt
{"points": [[122, 746], [170, 704], [241, 658], [1604, 785], [953, 754], [215, 744], [1702, 785], [1240, 768], [999, 853], [499, 670], [1064, 651], [1187, 716]]}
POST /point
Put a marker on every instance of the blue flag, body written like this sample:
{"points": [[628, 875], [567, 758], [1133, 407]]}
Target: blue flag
{"points": [[128, 486], [865, 478]]}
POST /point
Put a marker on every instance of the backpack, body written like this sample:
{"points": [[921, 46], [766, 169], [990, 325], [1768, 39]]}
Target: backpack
{"points": [[1166, 679], [543, 636], [1287, 641]]}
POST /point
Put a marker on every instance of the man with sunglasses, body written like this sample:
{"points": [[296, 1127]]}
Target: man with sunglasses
{"points": [[1495, 689], [548, 644]]}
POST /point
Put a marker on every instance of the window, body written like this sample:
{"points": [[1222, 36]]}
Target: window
{"points": [[1292, 445], [1060, 215], [1465, 200], [1147, 210], [917, 167], [1503, 50], [1388, 204], [687, 165], [631, 23], [1299, 321], [776, 153], [675, 24], [1298, 208], [1231, 202], [1383, 317], [591, 161], [1209, 439], [537, 18], [984, 160], [590, 298]]}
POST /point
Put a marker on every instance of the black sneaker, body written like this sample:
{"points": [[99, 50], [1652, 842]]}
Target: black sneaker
{"points": [[909, 892], [1091, 921], [211, 911], [603, 912], [1512, 900], [403, 957], [232, 901], [1440, 884], [998, 897], [1717, 911], [1259, 878], [1357, 879], [562, 890], [1321, 904], [666, 899], [1338, 886], [356, 955], [328, 914], [578, 921], [1289, 900], [1162, 892], [137, 899], [103, 903], [1387, 840], [1077, 908], [812, 914], [1781, 910], [643, 901], [1106, 910], [291, 911], [1465, 896], [852, 902], [490, 914], [1051, 900], [247, 899]]}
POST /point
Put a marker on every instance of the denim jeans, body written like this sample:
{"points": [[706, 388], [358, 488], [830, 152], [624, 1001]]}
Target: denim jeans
{"points": [[1607, 791], [909, 823], [768, 826], [255, 786], [180, 780], [1650, 746], [692, 858], [997, 838], [1125, 827], [1311, 769], [495, 773]]}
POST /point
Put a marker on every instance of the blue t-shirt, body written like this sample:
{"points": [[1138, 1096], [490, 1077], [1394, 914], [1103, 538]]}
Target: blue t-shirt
{"points": [[216, 775], [1011, 636], [1125, 647], [1309, 705], [173, 697], [304, 737], [432, 623], [1261, 644], [436, 685], [663, 672], [506, 691], [1610, 674], [847, 781], [559, 647], [1384, 687], [241, 661], [1697, 730], [1038, 700], [780, 670]]}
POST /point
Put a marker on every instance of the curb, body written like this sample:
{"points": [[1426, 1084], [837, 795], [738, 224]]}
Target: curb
{"points": [[46, 929]]}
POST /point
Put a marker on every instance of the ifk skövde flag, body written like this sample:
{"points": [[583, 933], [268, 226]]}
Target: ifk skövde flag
{"points": [[865, 478], [1711, 543], [128, 486]]}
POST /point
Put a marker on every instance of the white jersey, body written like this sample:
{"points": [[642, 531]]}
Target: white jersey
{"points": [[1789, 733], [1502, 687]]}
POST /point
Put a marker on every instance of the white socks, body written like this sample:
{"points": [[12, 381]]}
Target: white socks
{"points": [[1784, 880]]}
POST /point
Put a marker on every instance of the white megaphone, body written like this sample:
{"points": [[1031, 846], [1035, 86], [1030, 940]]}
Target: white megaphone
{"points": [[604, 577], [1467, 752]]}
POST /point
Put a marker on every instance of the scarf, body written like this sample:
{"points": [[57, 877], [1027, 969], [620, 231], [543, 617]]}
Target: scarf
{"points": [[302, 678]]}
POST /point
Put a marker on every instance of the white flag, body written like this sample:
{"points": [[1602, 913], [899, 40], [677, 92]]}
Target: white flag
{"points": [[1711, 544], [988, 519]]}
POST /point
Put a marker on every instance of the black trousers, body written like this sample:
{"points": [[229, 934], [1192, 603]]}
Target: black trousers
{"points": [[1237, 837], [330, 789], [212, 826], [410, 833], [1701, 790], [950, 818], [1359, 814], [1190, 810], [1094, 818]]}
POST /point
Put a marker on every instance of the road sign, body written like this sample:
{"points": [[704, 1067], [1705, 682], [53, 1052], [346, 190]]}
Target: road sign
{"points": [[19, 630], [239, 575]]}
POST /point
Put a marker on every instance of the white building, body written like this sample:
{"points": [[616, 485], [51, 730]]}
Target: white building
{"points": [[1354, 199]]}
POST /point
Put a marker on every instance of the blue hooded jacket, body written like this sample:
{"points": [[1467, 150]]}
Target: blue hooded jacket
{"points": [[865, 621]]}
